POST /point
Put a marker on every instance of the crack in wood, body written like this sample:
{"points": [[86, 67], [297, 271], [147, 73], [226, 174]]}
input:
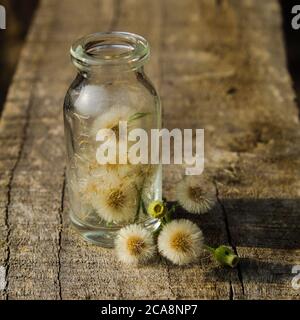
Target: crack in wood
{"points": [[23, 139], [61, 210], [166, 263], [9, 187], [230, 241]]}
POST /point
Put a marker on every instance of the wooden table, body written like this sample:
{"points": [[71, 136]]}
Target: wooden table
{"points": [[219, 65]]}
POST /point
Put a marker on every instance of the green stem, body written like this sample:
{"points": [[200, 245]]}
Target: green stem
{"points": [[156, 232], [210, 249], [137, 116], [137, 215], [163, 221], [144, 207]]}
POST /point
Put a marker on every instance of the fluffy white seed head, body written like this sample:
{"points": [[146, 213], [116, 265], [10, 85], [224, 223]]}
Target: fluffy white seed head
{"points": [[195, 194], [114, 198], [111, 118], [134, 244], [180, 241], [117, 202]]}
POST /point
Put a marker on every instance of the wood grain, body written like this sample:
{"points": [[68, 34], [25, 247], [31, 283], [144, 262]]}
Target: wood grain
{"points": [[219, 65]]}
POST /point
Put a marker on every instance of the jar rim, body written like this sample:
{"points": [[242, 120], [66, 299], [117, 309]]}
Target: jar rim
{"points": [[114, 48]]}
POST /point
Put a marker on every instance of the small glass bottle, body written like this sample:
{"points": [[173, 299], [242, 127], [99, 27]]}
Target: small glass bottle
{"points": [[110, 87]]}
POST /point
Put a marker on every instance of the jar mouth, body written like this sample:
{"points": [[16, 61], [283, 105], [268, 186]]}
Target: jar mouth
{"points": [[110, 49]]}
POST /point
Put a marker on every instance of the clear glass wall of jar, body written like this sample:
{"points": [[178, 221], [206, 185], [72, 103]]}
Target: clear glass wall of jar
{"points": [[110, 87]]}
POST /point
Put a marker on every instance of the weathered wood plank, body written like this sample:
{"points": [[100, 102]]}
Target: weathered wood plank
{"points": [[237, 87], [219, 65], [31, 207]]}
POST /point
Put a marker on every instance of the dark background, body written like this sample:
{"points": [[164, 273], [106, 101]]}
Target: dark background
{"points": [[292, 45], [19, 14]]}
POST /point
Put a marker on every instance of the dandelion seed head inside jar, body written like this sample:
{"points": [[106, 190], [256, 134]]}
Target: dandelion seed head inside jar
{"points": [[110, 88]]}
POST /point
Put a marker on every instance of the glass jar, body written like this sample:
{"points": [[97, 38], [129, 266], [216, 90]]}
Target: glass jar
{"points": [[110, 89]]}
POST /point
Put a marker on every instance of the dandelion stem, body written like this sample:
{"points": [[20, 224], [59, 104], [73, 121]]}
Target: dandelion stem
{"points": [[144, 207], [157, 231], [210, 249], [137, 215], [137, 115]]}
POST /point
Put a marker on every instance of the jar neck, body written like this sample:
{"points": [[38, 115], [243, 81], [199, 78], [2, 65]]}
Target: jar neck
{"points": [[110, 55]]}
